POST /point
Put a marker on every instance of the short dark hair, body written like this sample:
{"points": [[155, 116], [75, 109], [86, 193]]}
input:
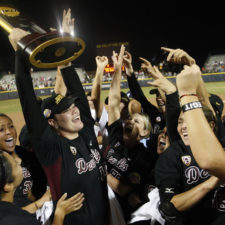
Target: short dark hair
{"points": [[4, 115], [210, 118], [6, 176]]}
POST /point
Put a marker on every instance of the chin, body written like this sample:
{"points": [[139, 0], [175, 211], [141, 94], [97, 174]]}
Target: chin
{"points": [[186, 141], [9, 150]]}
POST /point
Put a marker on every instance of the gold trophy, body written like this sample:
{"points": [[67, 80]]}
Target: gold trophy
{"points": [[44, 49]]}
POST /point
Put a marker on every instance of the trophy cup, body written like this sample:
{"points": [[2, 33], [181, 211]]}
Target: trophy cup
{"points": [[44, 49]]}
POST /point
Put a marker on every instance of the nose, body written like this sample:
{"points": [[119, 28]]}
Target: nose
{"points": [[8, 130], [74, 110], [184, 126]]}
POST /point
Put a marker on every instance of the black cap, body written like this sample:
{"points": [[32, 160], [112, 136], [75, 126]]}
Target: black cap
{"points": [[217, 103], [56, 104], [124, 98]]}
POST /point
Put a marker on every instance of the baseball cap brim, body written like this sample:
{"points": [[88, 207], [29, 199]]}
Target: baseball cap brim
{"points": [[49, 110], [64, 104]]}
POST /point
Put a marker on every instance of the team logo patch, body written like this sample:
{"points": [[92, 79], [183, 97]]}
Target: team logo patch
{"points": [[117, 144], [169, 190], [47, 113], [73, 150], [186, 160], [58, 99]]}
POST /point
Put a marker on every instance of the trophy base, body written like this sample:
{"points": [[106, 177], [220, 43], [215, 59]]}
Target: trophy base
{"points": [[51, 49]]}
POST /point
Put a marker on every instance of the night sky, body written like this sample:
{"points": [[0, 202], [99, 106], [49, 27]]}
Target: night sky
{"points": [[146, 25]]}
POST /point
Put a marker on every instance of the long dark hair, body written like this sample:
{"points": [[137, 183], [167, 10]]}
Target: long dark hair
{"points": [[4, 115], [6, 176]]}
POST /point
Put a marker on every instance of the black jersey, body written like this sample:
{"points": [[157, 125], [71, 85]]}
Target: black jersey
{"points": [[133, 166], [10, 214], [21, 193], [176, 172], [70, 165]]}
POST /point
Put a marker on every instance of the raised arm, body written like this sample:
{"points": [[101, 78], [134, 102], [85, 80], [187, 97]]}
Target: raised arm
{"points": [[67, 27], [137, 92], [114, 91], [205, 147], [35, 121], [181, 57], [172, 99], [97, 84]]}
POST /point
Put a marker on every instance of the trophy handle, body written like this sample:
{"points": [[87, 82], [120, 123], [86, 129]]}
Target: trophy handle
{"points": [[5, 25]]}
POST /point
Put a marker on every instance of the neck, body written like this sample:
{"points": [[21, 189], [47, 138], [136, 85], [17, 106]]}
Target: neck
{"points": [[7, 197], [68, 135]]}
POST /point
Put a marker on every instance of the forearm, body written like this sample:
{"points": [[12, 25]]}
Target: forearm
{"points": [[114, 98], [60, 87], [74, 87], [203, 95], [58, 218], [206, 148], [172, 115], [96, 91], [119, 187], [35, 121], [148, 108], [190, 198], [34, 206]]}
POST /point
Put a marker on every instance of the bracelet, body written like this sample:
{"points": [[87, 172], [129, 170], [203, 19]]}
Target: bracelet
{"points": [[191, 105], [188, 95]]}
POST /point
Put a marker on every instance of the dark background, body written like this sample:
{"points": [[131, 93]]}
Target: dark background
{"points": [[195, 26]]}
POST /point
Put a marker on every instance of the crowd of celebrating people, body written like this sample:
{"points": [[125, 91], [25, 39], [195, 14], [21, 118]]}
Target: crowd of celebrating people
{"points": [[117, 162]]}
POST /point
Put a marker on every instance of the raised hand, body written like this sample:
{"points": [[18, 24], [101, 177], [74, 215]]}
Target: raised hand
{"points": [[178, 56], [159, 80], [68, 22], [147, 66], [101, 61], [188, 80], [127, 62], [118, 59]]}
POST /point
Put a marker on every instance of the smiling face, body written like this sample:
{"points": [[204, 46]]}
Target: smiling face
{"points": [[8, 134], [68, 122], [134, 128], [182, 129], [17, 173], [163, 141]]}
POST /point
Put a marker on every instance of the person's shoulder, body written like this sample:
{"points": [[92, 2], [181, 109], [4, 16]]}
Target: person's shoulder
{"points": [[10, 214], [23, 152], [172, 153]]}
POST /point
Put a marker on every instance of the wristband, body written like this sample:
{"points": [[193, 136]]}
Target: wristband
{"points": [[187, 95], [191, 105]]}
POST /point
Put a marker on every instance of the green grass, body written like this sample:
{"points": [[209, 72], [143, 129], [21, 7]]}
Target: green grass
{"points": [[13, 105]]}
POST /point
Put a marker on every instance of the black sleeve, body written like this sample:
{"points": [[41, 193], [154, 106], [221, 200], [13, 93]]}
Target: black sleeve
{"points": [[35, 121], [74, 87], [167, 174], [115, 133], [172, 115], [138, 94], [43, 139]]}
